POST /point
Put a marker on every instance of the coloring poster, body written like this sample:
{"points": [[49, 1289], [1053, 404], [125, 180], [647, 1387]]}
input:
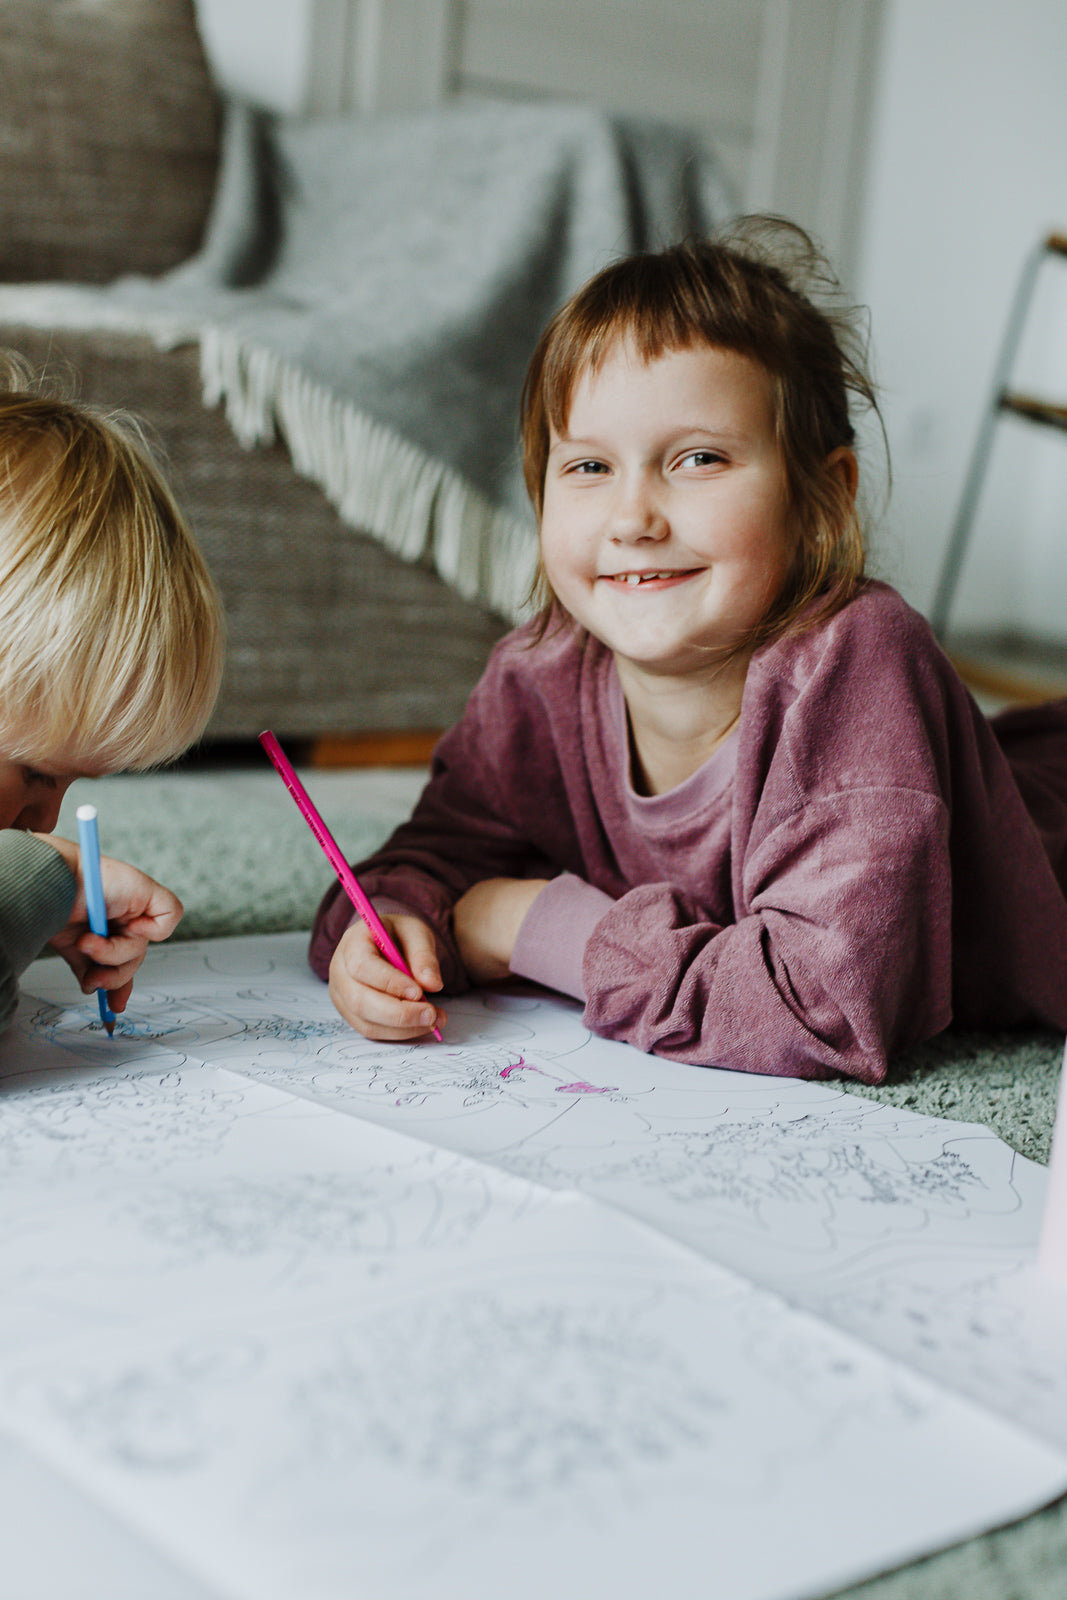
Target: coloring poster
{"points": [[915, 1233], [520, 1312]]}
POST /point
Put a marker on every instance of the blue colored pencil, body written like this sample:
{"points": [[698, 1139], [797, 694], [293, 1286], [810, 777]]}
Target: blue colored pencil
{"points": [[89, 844]]}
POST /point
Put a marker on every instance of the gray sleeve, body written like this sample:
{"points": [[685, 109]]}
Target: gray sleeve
{"points": [[36, 895]]}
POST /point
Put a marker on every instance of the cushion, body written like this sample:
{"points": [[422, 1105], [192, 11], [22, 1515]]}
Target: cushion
{"points": [[109, 138]]}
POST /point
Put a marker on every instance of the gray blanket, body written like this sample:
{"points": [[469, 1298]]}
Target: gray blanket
{"points": [[372, 291]]}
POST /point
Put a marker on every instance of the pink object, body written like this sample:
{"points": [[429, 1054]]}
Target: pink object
{"points": [[349, 881], [1052, 1251]]}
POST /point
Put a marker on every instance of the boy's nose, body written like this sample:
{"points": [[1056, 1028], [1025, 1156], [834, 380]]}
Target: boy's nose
{"points": [[51, 815], [41, 814]]}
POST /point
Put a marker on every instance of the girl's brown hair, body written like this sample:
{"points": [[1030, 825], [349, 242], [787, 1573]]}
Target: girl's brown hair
{"points": [[751, 291]]}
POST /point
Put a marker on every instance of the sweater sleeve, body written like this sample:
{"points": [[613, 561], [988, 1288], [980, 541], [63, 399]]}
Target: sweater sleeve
{"points": [[36, 896], [844, 938], [552, 938], [471, 823]]}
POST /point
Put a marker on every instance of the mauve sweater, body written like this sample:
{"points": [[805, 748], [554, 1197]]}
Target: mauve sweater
{"points": [[864, 861]]}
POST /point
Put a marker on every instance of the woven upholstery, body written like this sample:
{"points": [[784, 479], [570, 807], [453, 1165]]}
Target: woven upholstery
{"points": [[109, 138]]}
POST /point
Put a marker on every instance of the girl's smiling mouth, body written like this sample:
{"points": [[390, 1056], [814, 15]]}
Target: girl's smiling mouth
{"points": [[639, 579]]}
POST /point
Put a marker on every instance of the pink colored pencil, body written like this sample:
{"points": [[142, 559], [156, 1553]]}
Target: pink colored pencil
{"points": [[349, 881]]}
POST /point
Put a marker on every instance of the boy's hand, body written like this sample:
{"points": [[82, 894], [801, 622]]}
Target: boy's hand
{"points": [[486, 921], [369, 992], [140, 912]]}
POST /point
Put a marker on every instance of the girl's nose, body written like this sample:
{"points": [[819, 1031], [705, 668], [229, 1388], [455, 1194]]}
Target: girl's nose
{"points": [[636, 512]]}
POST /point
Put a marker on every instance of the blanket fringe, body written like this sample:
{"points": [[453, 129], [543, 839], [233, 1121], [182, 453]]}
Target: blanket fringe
{"points": [[379, 483]]}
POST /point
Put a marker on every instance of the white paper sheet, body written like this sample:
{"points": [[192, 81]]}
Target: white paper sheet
{"points": [[521, 1312]]}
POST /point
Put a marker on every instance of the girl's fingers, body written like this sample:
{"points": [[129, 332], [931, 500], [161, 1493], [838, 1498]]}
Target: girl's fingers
{"points": [[378, 1015], [419, 948], [373, 995]]}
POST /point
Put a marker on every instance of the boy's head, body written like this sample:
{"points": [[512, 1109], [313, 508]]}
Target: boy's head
{"points": [[111, 634], [746, 294]]}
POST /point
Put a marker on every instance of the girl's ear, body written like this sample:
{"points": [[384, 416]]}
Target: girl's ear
{"points": [[842, 465]]}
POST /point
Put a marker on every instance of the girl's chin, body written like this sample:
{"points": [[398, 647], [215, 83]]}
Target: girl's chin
{"points": [[681, 660]]}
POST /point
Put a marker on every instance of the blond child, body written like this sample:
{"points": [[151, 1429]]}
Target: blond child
{"points": [[726, 790], [110, 658]]}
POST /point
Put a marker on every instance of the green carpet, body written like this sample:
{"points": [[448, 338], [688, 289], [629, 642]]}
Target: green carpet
{"points": [[232, 844]]}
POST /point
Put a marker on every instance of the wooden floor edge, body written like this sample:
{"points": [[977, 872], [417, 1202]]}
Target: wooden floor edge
{"points": [[1007, 685], [401, 747]]}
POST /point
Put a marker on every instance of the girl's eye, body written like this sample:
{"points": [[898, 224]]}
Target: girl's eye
{"points": [[587, 468], [701, 458], [30, 775]]}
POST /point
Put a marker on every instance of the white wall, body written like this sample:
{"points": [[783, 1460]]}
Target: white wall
{"points": [[326, 56], [967, 172], [259, 49]]}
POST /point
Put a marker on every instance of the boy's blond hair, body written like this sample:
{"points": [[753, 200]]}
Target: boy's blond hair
{"points": [[111, 633]]}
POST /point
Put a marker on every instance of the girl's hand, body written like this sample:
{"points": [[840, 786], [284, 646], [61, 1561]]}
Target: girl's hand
{"points": [[140, 912], [369, 992], [487, 920]]}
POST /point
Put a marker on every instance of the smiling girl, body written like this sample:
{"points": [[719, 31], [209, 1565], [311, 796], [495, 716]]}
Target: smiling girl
{"points": [[725, 790]]}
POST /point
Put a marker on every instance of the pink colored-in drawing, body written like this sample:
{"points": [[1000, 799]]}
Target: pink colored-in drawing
{"points": [[521, 1065]]}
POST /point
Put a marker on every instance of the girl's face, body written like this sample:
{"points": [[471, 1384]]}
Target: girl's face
{"points": [[664, 529]]}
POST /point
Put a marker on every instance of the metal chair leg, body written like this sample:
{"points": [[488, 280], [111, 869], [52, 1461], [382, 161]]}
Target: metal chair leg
{"points": [[961, 529]]}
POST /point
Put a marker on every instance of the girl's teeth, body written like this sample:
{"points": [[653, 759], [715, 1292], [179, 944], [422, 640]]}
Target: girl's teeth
{"points": [[643, 577]]}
